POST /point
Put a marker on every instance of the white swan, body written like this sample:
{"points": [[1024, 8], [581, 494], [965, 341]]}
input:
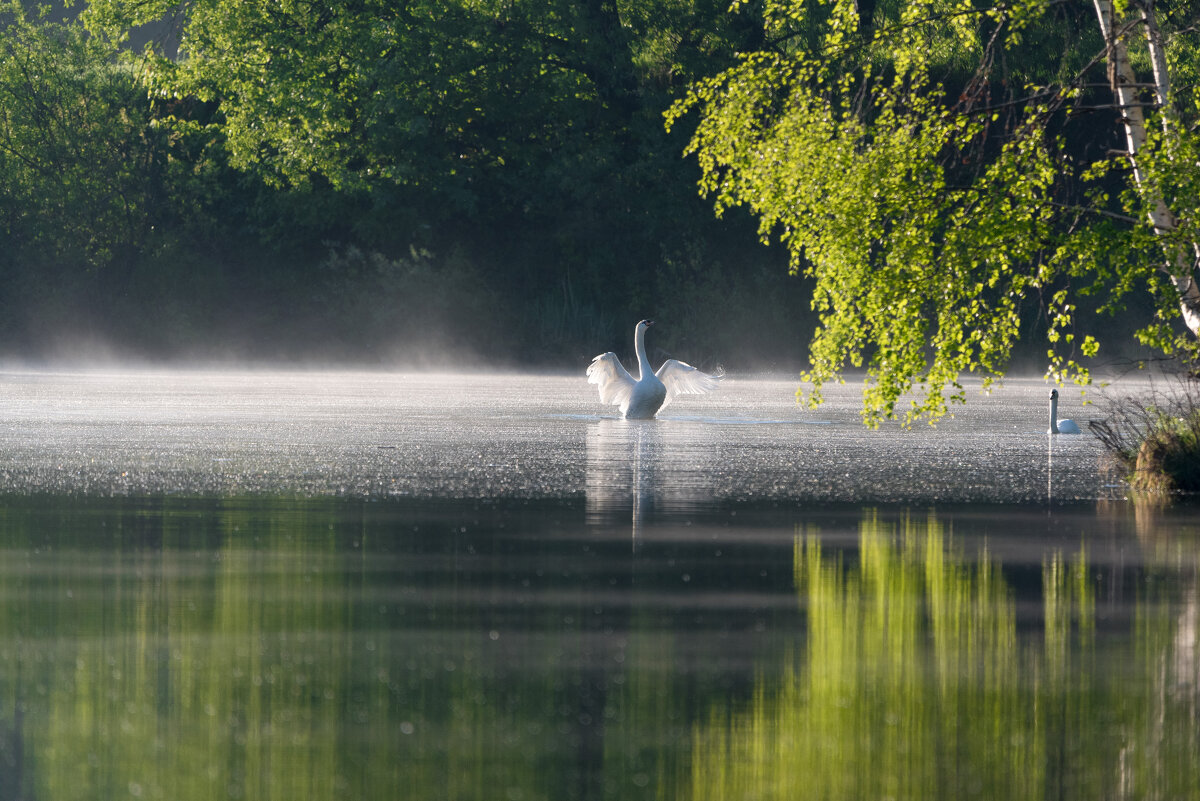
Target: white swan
{"points": [[645, 397], [1060, 426]]}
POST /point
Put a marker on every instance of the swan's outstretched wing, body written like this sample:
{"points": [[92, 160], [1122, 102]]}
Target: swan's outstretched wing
{"points": [[680, 378], [614, 381]]}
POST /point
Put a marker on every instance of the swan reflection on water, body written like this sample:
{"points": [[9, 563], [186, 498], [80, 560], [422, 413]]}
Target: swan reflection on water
{"points": [[621, 471], [638, 468], [1050, 469]]}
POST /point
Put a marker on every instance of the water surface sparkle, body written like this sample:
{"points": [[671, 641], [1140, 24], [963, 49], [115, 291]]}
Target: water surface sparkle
{"points": [[387, 435]]}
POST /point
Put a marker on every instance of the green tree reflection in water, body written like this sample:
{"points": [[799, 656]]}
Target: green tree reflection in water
{"points": [[915, 684], [309, 649], [238, 650], [315, 649], [180, 655]]}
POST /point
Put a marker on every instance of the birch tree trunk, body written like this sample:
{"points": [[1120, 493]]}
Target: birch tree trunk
{"points": [[1180, 264], [1158, 59]]}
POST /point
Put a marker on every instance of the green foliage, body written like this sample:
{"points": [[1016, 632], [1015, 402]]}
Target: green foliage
{"points": [[101, 207], [185, 200], [521, 143], [77, 159], [927, 215], [445, 98]]}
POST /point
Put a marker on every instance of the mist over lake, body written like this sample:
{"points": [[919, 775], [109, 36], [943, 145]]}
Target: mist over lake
{"points": [[380, 435]]}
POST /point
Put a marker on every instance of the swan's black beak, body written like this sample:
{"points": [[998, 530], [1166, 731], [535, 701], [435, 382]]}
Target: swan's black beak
{"points": [[649, 323]]}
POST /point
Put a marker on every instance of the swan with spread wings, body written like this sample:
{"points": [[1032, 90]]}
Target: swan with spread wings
{"points": [[644, 397]]}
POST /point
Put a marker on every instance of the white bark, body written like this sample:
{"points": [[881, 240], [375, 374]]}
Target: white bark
{"points": [[1180, 262], [1158, 58]]}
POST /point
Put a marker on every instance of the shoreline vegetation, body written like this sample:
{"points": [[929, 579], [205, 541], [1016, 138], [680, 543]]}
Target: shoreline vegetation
{"points": [[525, 210], [492, 187], [1154, 439]]}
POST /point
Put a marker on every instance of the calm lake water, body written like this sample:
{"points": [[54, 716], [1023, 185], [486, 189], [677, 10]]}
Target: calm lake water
{"points": [[369, 586]]}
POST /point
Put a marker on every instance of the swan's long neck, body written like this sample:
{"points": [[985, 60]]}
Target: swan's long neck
{"points": [[639, 344], [1054, 414]]}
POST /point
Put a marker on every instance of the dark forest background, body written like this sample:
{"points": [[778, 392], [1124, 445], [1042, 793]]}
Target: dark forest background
{"points": [[503, 193]]}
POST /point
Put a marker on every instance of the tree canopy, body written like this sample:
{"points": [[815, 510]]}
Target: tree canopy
{"points": [[933, 164], [363, 180], [493, 179]]}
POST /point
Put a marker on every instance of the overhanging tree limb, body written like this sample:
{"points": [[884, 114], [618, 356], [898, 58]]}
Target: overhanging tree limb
{"points": [[926, 211]]}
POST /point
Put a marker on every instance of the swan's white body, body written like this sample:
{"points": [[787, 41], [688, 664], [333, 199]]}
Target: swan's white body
{"points": [[1060, 426], [650, 393]]}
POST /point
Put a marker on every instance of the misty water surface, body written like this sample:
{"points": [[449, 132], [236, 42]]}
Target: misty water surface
{"points": [[387, 435], [370, 586]]}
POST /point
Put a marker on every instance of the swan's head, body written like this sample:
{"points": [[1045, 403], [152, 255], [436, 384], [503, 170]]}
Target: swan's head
{"points": [[644, 324], [1054, 394]]}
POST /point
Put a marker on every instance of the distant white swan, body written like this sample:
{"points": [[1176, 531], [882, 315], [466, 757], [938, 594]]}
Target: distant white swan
{"points": [[1060, 426], [645, 397]]}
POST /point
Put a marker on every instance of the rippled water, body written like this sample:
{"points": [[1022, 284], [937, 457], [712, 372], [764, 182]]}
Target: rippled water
{"points": [[386, 435], [375, 586]]}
